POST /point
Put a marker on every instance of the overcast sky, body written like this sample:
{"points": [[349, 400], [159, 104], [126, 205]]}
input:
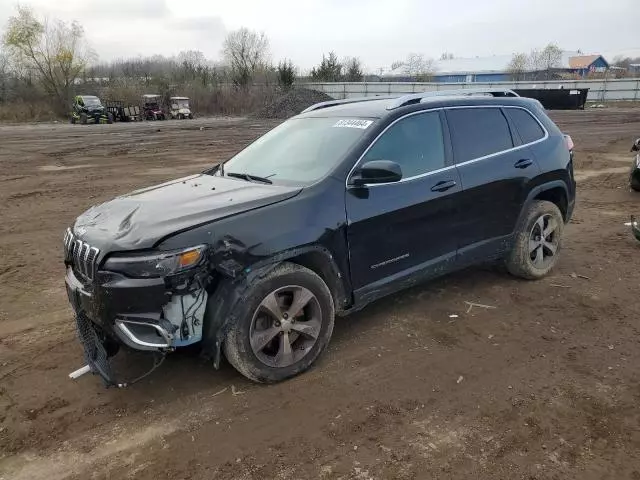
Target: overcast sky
{"points": [[377, 31]]}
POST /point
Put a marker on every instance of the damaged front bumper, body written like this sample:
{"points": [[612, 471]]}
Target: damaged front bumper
{"points": [[142, 314]]}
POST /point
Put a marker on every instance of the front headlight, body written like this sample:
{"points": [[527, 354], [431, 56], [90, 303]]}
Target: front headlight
{"points": [[153, 265]]}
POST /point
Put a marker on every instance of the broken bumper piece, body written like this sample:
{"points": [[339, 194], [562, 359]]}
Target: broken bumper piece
{"points": [[141, 314]]}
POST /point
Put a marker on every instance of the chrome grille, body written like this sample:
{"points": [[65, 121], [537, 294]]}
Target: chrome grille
{"points": [[82, 256]]}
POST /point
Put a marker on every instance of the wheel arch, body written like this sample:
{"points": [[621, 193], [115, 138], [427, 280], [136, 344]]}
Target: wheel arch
{"points": [[556, 195], [229, 290], [555, 192]]}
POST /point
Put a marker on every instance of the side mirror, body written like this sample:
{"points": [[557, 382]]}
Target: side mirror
{"points": [[636, 146], [377, 171]]}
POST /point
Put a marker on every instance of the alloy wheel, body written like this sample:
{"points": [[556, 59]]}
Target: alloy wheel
{"points": [[285, 326], [543, 241]]}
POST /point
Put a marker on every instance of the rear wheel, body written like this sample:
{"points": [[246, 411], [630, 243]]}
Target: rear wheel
{"points": [[73, 120], [285, 321], [537, 243], [109, 118], [83, 118], [634, 177]]}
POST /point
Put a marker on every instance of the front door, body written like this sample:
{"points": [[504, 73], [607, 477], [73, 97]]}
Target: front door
{"points": [[397, 230]]}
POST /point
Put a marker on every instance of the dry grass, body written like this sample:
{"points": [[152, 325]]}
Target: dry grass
{"points": [[210, 100], [21, 111]]}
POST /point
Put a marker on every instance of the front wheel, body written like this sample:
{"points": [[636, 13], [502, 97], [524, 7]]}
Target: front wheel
{"points": [[634, 176], [285, 321], [537, 242]]}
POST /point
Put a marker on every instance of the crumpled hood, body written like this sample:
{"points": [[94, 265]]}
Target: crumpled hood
{"points": [[141, 218]]}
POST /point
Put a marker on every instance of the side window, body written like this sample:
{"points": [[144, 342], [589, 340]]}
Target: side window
{"points": [[414, 142], [476, 132], [527, 126]]}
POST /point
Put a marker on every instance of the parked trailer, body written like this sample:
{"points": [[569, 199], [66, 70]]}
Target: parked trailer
{"points": [[122, 113]]}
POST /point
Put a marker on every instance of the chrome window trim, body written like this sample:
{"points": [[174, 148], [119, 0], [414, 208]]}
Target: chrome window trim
{"points": [[467, 162], [346, 182], [513, 149]]}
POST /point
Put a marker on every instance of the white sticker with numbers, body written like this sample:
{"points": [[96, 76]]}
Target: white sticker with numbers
{"points": [[354, 123]]}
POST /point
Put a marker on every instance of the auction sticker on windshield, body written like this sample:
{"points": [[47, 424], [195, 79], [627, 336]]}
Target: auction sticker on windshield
{"points": [[353, 123]]}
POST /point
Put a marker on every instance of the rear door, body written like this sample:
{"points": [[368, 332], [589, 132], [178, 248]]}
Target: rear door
{"points": [[496, 170], [398, 229]]}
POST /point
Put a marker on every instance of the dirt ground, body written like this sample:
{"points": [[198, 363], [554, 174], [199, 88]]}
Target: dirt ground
{"points": [[546, 385]]}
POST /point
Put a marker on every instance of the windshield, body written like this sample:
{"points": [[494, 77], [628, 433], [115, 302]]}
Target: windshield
{"points": [[181, 104], [91, 101], [300, 150]]}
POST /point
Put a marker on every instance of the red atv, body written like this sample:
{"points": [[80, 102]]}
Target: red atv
{"points": [[151, 107]]}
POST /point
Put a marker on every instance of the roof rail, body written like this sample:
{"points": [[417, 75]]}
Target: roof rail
{"points": [[331, 103], [417, 97]]}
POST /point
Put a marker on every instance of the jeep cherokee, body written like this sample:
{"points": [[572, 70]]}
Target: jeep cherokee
{"points": [[345, 203]]}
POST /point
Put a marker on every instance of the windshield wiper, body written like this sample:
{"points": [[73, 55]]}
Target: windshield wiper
{"points": [[248, 177]]}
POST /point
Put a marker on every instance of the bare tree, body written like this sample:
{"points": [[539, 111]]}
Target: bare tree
{"points": [[352, 69], [551, 57], [246, 52], [518, 66], [545, 60], [55, 51], [419, 68], [397, 64], [4, 76]]}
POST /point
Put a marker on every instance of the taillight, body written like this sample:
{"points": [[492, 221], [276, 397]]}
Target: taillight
{"points": [[569, 142]]}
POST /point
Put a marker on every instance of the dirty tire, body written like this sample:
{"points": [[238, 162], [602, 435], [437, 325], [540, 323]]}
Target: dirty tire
{"points": [[518, 261], [634, 179], [237, 346], [83, 118], [109, 118]]}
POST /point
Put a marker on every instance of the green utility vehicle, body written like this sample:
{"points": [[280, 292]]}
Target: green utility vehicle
{"points": [[89, 109]]}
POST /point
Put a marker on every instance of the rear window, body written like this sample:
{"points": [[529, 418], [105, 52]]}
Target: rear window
{"points": [[528, 127], [477, 132]]}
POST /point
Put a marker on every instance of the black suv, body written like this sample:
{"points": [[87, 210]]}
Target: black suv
{"points": [[343, 204]]}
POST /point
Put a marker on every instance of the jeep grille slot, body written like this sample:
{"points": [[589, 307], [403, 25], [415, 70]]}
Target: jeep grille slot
{"points": [[80, 255]]}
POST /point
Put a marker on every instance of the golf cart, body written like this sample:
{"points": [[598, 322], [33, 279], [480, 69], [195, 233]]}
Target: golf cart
{"points": [[151, 107], [122, 113], [89, 109], [180, 108]]}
